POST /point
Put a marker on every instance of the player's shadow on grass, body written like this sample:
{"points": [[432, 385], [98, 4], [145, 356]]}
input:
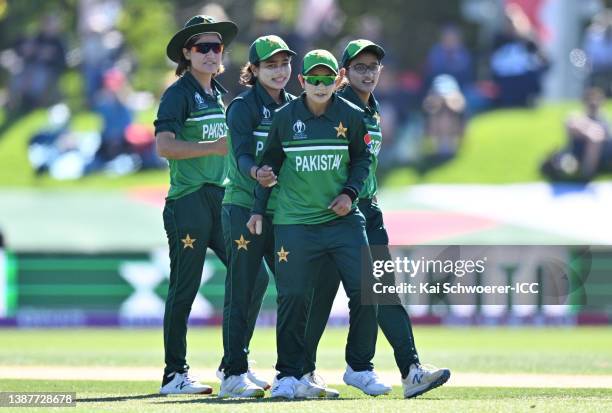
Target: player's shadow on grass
{"points": [[118, 398], [217, 400]]}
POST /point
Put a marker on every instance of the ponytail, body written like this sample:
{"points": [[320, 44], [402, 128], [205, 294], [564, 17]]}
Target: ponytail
{"points": [[247, 77]]}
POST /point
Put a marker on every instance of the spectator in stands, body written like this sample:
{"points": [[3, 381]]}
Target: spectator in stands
{"points": [[517, 63], [598, 48], [100, 52], [110, 104], [589, 147], [444, 108], [41, 59], [125, 146], [450, 56]]}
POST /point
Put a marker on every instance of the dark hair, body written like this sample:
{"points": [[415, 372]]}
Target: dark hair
{"points": [[247, 77], [184, 64], [343, 84]]}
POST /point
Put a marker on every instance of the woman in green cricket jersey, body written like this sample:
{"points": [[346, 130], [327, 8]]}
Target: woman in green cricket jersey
{"points": [[362, 62], [190, 132], [317, 148], [249, 117]]}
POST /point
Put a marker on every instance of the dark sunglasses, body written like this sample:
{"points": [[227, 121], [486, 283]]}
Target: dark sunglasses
{"points": [[207, 47], [316, 80]]}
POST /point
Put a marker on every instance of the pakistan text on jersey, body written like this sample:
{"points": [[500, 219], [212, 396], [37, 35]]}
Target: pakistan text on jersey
{"points": [[214, 131], [314, 163]]}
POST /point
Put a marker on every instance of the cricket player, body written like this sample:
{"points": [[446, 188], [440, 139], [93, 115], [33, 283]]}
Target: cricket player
{"points": [[362, 64], [190, 132], [317, 148], [249, 118]]}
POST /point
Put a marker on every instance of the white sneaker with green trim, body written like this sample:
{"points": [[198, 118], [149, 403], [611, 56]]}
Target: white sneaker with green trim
{"points": [[317, 380], [240, 386]]}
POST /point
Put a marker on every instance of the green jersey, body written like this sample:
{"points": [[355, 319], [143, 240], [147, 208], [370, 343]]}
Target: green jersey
{"points": [[316, 158], [372, 120], [194, 116], [249, 118]]}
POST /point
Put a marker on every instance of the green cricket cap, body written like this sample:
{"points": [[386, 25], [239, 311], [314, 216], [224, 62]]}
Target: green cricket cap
{"points": [[355, 47], [265, 47], [319, 57]]}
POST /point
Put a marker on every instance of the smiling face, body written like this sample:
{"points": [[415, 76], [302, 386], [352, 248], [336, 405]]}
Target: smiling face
{"points": [[320, 93], [364, 82], [209, 62], [274, 73]]}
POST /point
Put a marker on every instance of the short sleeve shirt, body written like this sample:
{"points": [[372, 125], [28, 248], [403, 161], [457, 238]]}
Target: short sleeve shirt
{"points": [[193, 116]]}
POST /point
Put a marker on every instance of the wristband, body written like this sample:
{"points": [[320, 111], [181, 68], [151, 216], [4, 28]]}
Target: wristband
{"points": [[350, 192]]}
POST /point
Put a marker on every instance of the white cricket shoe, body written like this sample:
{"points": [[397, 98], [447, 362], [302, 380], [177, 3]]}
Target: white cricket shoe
{"points": [[367, 381], [240, 386], [284, 388], [317, 380], [257, 379], [183, 383], [422, 378], [251, 375], [307, 389]]}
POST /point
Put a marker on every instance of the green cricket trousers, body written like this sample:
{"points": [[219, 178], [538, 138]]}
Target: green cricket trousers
{"points": [[245, 284], [393, 320], [193, 224], [301, 250]]}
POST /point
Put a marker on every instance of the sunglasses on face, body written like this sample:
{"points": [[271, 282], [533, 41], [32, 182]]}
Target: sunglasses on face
{"points": [[362, 68], [316, 80], [207, 47]]}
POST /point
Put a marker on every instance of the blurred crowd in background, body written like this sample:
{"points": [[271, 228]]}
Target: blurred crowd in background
{"points": [[426, 103]]}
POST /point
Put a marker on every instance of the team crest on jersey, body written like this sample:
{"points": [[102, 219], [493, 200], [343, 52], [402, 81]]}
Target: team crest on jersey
{"points": [[372, 145], [266, 116], [368, 141], [199, 101], [299, 130]]}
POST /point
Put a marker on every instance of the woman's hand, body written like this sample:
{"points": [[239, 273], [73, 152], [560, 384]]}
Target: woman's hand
{"points": [[255, 224], [220, 146], [341, 205], [265, 176]]}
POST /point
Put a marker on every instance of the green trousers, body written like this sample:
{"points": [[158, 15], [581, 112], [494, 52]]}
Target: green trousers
{"points": [[245, 284], [393, 320], [301, 250], [192, 224]]}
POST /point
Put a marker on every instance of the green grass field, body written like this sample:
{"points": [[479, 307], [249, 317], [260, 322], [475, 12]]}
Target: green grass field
{"points": [[568, 351]]}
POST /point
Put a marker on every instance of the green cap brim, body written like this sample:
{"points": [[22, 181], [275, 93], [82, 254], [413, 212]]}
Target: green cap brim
{"points": [[374, 48], [273, 52], [227, 30], [306, 70]]}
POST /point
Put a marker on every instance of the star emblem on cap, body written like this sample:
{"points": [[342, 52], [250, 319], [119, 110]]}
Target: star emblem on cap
{"points": [[340, 130], [188, 242], [242, 243], [282, 254]]}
